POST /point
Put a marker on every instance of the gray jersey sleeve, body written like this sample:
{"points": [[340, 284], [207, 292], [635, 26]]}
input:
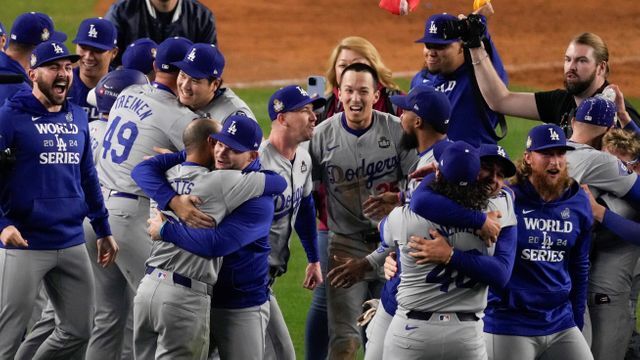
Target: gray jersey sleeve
{"points": [[600, 170]]}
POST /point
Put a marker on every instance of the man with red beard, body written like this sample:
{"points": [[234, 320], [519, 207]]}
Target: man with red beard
{"points": [[586, 67], [44, 199]]}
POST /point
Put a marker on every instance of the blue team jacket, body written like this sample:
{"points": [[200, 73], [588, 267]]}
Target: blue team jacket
{"points": [[465, 123], [78, 95], [11, 67], [54, 184], [547, 290]]}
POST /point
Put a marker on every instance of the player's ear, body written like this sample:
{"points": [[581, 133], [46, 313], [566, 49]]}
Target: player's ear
{"points": [[376, 96], [281, 120], [527, 157], [418, 122], [114, 52], [33, 74]]}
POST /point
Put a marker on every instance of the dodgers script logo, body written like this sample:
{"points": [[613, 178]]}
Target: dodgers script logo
{"points": [[370, 171]]}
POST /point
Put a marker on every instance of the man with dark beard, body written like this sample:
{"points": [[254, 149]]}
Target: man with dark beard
{"points": [[44, 199], [586, 67]]}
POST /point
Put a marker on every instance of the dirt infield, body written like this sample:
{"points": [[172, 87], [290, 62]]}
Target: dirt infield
{"points": [[290, 39]]}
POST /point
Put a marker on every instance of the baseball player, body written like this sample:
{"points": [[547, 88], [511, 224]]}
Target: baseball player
{"points": [[178, 278], [613, 260], [448, 70], [28, 30], [292, 114], [495, 165], [554, 237], [96, 45], [140, 55], [108, 89], [141, 117], [240, 309], [446, 308], [377, 166], [50, 190], [3, 37], [200, 85]]}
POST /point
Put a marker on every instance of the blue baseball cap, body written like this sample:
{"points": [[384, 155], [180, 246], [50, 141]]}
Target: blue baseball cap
{"points": [[202, 61], [597, 111], [139, 55], [110, 86], [547, 136], [33, 28], [458, 162], [436, 30], [499, 154], [290, 98], [240, 133], [171, 50], [50, 51], [432, 106], [98, 33]]}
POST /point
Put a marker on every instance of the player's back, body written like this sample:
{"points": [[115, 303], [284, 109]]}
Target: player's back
{"points": [[141, 117], [221, 192], [225, 104]]}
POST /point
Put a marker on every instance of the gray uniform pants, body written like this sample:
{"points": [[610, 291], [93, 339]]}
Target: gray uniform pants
{"points": [[278, 341], [565, 345], [612, 325], [441, 337], [69, 284], [344, 306], [376, 333], [171, 320], [240, 333]]}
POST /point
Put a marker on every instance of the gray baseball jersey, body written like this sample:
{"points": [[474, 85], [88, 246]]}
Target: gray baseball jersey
{"points": [[416, 294], [353, 167], [299, 185], [96, 131], [599, 170], [141, 117], [221, 191], [225, 104]]}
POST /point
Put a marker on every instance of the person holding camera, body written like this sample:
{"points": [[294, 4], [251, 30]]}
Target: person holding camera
{"points": [[586, 67], [448, 68]]}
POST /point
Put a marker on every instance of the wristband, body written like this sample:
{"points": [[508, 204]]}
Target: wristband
{"points": [[449, 259]]}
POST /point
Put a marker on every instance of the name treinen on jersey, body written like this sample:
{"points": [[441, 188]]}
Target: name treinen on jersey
{"points": [[372, 171], [134, 104], [548, 225]]}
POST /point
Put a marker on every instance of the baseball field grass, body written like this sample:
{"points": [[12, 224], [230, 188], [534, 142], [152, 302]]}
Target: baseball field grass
{"points": [[293, 299]]}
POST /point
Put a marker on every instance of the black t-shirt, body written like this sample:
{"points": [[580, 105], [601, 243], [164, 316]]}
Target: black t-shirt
{"points": [[558, 107]]}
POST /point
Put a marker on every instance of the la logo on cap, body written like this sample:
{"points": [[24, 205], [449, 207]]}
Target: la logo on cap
{"points": [[192, 55], [433, 29], [93, 33], [302, 91], [57, 48], [501, 151], [232, 128], [553, 135]]}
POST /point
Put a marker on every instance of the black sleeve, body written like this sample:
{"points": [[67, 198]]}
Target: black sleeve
{"points": [[206, 26], [554, 106]]}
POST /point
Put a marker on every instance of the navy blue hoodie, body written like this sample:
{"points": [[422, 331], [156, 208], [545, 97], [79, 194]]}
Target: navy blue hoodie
{"points": [[53, 184], [11, 67]]}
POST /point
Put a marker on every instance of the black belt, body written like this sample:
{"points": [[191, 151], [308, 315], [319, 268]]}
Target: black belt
{"points": [[426, 315], [183, 280], [123, 195], [367, 236]]}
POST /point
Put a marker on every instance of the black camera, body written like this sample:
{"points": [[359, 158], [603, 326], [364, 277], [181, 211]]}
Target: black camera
{"points": [[469, 30]]}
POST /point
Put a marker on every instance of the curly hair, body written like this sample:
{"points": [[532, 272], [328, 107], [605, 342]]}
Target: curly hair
{"points": [[623, 141], [365, 48], [473, 196]]}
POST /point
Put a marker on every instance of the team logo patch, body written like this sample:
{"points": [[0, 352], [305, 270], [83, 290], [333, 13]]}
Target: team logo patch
{"points": [[192, 55], [69, 116], [34, 60], [303, 167], [553, 135], [528, 141], [162, 275], [303, 92], [45, 34], [153, 52], [57, 48], [277, 105], [501, 152], [383, 142], [444, 317], [566, 213]]}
